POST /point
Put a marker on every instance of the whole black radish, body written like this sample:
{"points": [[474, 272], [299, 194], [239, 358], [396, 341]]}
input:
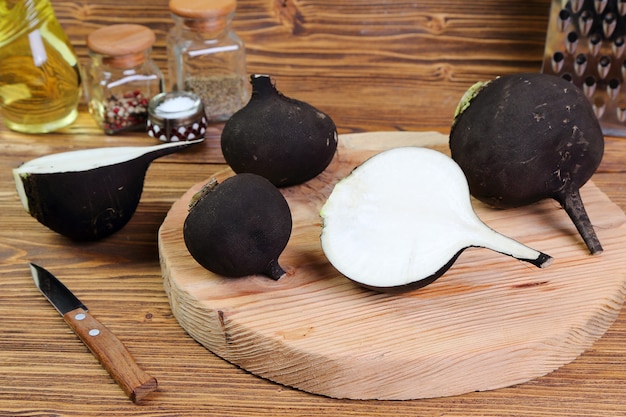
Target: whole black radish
{"points": [[282, 139], [522, 138], [238, 227]]}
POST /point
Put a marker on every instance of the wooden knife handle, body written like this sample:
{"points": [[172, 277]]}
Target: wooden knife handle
{"points": [[112, 354]]}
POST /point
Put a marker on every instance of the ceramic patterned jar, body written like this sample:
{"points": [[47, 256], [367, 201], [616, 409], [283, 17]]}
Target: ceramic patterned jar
{"points": [[176, 116]]}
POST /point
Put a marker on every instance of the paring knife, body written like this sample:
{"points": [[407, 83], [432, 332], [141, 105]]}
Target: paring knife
{"points": [[109, 350]]}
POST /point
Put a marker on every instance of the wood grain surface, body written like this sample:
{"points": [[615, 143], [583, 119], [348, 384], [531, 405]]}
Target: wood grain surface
{"points": [[489, 322], [371, 65]]}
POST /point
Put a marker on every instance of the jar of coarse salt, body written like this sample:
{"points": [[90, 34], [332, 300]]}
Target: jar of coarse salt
{"points": [[122, 78], [176, 116]]}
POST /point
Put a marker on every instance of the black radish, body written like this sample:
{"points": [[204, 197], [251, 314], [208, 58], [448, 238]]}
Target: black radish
{"points": [[238, 227], [88, 194], [401, 219], [522, 138], [282, 139]]}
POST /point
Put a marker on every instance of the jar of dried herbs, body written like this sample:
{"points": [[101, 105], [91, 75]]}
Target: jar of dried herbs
{"points": [[122, 78], [207, 57]]}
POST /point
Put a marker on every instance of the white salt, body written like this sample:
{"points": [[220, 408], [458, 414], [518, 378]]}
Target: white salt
{"points": [[176, 107]]}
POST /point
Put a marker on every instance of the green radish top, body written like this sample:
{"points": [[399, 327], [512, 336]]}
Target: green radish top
{"points": [[468, 96]]}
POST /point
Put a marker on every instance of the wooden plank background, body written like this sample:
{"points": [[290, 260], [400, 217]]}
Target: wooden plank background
{"points": [[411, 60]]}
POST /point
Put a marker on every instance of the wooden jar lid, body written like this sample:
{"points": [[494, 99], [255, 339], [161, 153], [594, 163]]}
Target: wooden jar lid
{"points": [[202, 9], [120, 39]]}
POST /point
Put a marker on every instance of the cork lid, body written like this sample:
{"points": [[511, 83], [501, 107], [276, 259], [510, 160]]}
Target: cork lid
{"points": [[121, 39], [202, 9]]}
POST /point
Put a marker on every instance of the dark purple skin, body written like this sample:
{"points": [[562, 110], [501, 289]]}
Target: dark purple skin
{"points": [[93, 204], [72, 205], [527, 137], [540, 262], [239, 227], [282, 139]]}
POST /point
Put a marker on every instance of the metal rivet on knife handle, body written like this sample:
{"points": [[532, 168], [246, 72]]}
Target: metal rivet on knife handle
{"points": [[112, 354]]}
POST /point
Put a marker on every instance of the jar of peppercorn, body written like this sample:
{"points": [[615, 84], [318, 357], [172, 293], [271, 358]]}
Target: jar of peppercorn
{"points": [[122, 78], [206, 56]]}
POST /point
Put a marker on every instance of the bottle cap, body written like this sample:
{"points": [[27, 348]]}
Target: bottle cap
{"points": [[124, 44], [202, 9]]}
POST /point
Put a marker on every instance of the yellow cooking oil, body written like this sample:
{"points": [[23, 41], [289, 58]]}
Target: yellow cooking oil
{"points": [[40, 82]]}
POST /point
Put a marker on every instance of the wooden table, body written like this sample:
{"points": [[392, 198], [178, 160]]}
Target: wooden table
{"points": [[371, 66]]}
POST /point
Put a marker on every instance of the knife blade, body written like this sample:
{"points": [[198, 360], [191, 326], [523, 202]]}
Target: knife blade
{"points": [[104, 345]]}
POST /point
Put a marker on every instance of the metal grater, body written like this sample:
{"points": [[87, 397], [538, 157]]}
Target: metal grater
{"points": [[586, 45]]}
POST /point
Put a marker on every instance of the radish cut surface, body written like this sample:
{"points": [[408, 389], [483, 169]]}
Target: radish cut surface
{"points": [[403, 217]]}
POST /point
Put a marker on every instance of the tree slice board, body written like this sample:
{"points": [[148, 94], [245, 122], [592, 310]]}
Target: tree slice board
{"points": [[491, 321]]}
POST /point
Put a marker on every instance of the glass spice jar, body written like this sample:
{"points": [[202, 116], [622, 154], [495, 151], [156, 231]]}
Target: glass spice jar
{"points": [[176, 116], [207, 57], [122, 77]]}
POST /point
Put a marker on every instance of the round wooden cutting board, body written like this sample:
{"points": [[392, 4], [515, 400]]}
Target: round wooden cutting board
{"points": [[491, 321]]}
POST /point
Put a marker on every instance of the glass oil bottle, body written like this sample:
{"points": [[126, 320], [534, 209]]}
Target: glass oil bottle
{"points": [[40, 82]]}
